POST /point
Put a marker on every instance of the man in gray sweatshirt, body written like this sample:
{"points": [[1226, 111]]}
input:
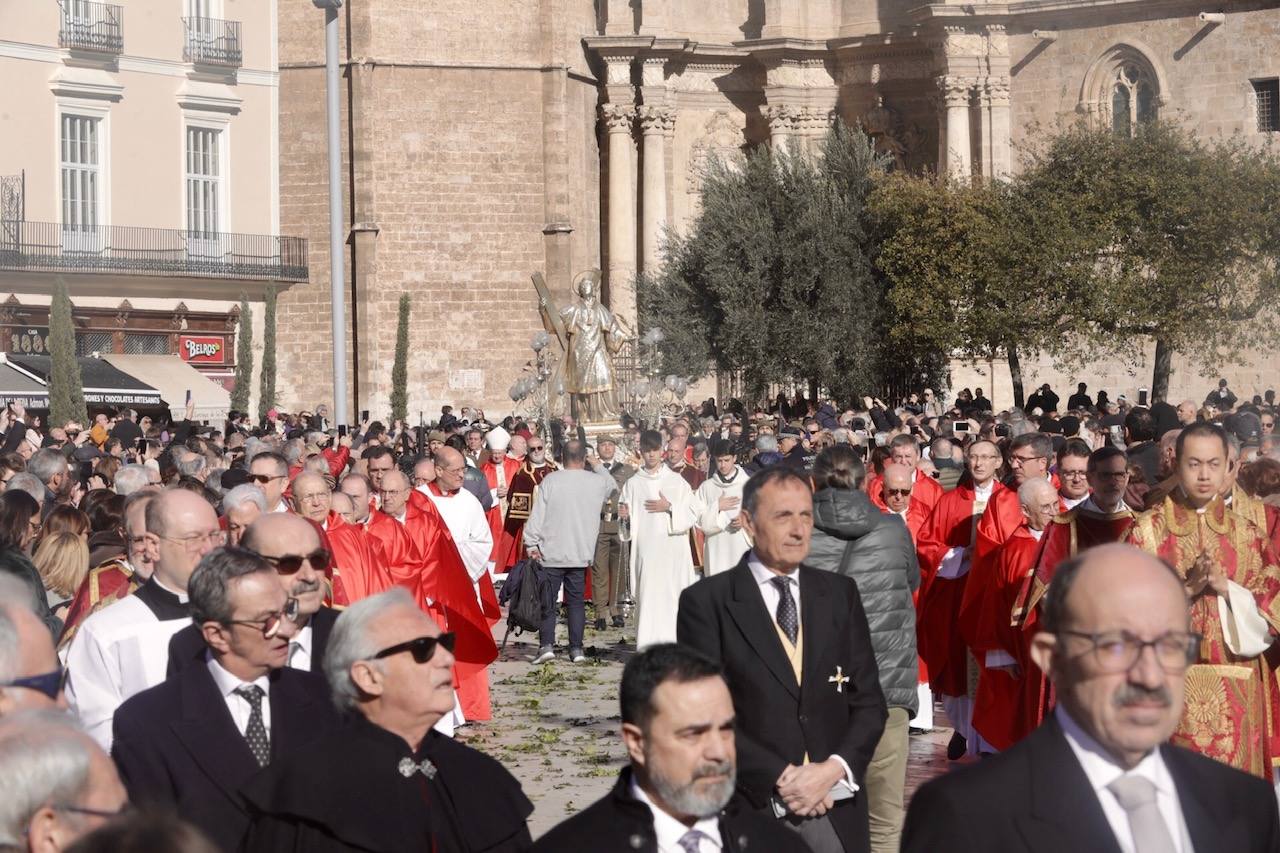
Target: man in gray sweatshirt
{"points": [[561, 533]]}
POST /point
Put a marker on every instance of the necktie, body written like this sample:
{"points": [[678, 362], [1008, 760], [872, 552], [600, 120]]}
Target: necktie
{"points": [[788, 618], [255, 733], [690, 840], [1137, 796]]}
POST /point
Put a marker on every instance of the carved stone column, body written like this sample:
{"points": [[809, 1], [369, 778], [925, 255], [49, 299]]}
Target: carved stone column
{"points": [[782, 124], [956, 160], [996, 95], [654, 121], [618, 119]]}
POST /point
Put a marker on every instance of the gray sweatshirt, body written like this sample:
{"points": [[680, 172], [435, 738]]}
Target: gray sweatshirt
{"points": [[565, 521]]}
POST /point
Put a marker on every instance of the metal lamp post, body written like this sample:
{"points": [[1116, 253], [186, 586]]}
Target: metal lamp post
{"points": [[338, 305]]}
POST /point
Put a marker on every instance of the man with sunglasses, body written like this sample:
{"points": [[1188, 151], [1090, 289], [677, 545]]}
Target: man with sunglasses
{"points": [[520, 503], [124, 648], [270, 472], [1119, 648], [30, 673], [191, 743], [386, 780]]}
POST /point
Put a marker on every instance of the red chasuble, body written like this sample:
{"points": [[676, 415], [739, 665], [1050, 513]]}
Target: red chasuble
{"points": [[1232, 702], [358, 559], [925, 492], [950, 525], [397, 550], [104, 585], [519, 505], [494, 515]]}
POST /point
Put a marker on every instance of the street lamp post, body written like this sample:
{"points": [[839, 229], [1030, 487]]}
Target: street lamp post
{"points": [[338, 304]]}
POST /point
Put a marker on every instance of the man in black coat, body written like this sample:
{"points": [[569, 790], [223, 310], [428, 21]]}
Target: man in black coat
{"points": [[800, 668], [191, 742], [678, 793], [1098, 775]]}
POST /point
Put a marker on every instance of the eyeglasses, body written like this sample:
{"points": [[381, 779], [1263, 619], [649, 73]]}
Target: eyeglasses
{"points": [[271, 625], [289, 564], [1118, 651], [459, 470], [216, 538], [422, 649], [263, 479], [127, 808], [1073, 475], [1016, 459], [897, 493], [48, 683], [536, 447], [391, 492]]}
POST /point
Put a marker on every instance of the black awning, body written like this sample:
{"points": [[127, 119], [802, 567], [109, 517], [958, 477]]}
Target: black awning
{"points": [[104, 384], [18, 387]]}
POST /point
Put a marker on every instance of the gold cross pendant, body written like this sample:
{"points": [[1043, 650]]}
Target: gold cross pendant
{"points": [[839, 679]]}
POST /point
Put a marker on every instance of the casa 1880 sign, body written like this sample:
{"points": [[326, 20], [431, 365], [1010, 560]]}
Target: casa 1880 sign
{"points": [[202, 350]]}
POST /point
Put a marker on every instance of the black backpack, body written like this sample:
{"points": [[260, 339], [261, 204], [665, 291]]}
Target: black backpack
{"points": [[524, 592]]}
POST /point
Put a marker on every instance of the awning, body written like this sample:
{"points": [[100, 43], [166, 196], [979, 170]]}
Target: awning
{"points": [[16, 386], [174, 377], [104, 384]]}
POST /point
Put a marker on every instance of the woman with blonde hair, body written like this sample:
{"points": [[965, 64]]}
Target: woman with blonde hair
{"points": [[63, 561]]}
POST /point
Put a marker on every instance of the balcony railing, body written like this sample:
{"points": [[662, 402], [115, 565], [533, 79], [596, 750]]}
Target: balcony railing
{"points": [[211, 41], [91, 26], [52, 247]]}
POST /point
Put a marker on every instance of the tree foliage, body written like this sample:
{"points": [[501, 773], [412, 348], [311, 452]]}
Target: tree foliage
{"points": [[267, 381], [244, 358], [66, 388], [400, 367], [774, 280]]}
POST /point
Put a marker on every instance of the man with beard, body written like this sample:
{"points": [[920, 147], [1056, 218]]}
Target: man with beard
{"points": [[721, 497], [190, 743], [520, 502], [677, 793], [385, 781]]}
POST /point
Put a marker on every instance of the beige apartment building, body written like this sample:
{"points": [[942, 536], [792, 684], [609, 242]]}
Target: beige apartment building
{"points": [[487, 139], [139, 162]]}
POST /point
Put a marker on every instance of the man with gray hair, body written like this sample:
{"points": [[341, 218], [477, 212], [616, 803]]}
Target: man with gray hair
{"points": [[241, 507], [391, 669], [31, 484], [190, 743], [130, 479], [30, 675], [58, 783], [50, 467]]}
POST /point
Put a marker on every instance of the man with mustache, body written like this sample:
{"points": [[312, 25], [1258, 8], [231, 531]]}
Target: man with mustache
{"points": [[1098, 775], [677, 793]]}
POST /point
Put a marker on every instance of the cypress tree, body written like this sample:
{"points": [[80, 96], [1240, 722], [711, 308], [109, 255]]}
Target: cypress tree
{"points": [[66, 389], [267, 385], [400, 367], [244, 358]]}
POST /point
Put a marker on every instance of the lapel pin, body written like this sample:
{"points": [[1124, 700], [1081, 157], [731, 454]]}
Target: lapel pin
{"points": [[839, 679]]}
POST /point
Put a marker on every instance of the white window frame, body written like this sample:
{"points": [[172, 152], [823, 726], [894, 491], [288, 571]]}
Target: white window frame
{"points": [[208, 248], [84, 241]]}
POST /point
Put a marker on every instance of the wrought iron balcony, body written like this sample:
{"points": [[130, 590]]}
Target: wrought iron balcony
{"points": [[123, 250], [211, 41], [91, 26]]}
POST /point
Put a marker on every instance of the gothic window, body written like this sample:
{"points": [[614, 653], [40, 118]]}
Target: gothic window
{"points": [[1133, 99]]}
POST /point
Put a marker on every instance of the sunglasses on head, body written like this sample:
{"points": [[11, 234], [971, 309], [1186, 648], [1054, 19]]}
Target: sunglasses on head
{"points": [[48, 683], [288, 564], [422, 649]]}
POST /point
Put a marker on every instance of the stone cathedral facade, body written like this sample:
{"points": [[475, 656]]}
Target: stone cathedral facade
{"points": [[491, 138]]}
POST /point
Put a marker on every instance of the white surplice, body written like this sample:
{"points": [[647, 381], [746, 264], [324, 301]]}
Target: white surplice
{"points": [[469, 526], [724, 547], [661, 561]]}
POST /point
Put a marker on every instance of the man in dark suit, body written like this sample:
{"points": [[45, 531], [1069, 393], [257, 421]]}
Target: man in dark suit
{"points": [[678, 793], [1097, 775], [191, 742], [288, 542], [800, 668]]}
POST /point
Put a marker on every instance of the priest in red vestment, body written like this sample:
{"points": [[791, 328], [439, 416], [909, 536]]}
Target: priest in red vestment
{"points": [[945, 549], [393, 540], [984, 620], [1232, 580], [520, 502], [362, 570], [679, 459], [925, 491], [499, 470], [1102, 518], [896, 488]]}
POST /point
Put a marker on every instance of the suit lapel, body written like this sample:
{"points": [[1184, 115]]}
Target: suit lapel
{"points": [[1202, 807], [321, 626], [1065, 814], [748, 612], [208, 733], [815, 622], [294, 718]]}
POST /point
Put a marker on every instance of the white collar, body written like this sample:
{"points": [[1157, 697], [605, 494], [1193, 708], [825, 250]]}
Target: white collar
{"points": [[983, 493], [1035, 534], [1090, 505], [227, 683], [182, 596], [765, 575], [669, 830], [1072, 503], [1101, 769]]}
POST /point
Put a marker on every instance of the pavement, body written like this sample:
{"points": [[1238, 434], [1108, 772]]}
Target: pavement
{"points": [[555, 726]]}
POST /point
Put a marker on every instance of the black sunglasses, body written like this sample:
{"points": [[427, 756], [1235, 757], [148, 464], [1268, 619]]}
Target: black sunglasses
{"points": [[48, 683], [289, 564], [422, 649]]}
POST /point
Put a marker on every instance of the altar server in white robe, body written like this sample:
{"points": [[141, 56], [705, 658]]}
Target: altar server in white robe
{"points": [[658, 510], [721, 499]]}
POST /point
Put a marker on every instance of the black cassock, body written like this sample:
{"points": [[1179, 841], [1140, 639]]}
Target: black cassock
{"points": [[362, 788]]}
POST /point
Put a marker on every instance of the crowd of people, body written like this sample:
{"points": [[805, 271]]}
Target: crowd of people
{"points": [[273, 631]]}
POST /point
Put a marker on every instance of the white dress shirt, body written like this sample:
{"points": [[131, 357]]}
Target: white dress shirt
{"points": [[670, 831], [1102, 770], [239, 706], [300, 650]]}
